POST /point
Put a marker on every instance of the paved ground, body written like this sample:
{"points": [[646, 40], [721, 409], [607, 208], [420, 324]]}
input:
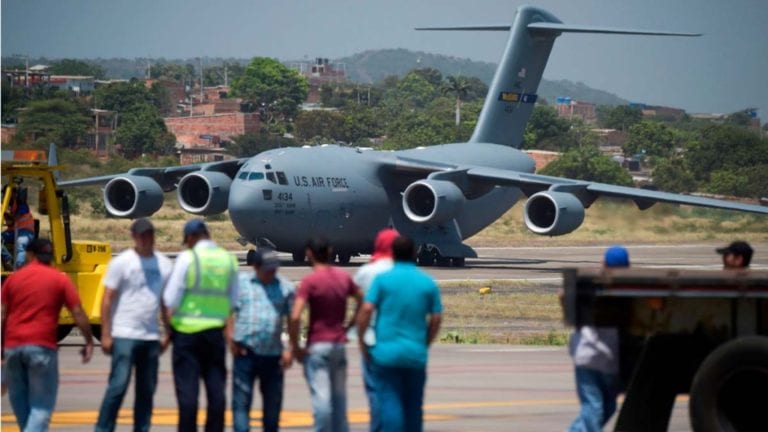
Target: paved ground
{"points": [[470, 387]]}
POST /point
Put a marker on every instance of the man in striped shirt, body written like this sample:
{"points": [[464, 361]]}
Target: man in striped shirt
{"points": [[264, 303]]}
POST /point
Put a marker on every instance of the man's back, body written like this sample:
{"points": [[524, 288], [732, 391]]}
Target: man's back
{"points": [[403, 297], [33, 297], [326, 291]]}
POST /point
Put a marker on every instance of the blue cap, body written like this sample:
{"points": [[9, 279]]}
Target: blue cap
{"points": [[616, 256], [194, 226]]}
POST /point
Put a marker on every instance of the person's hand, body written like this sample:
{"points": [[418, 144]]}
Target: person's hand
{"points": [[286, 359], [364, 351], [87, 352], [106, 344], [300, 354], [165, 342], [236, 349]]}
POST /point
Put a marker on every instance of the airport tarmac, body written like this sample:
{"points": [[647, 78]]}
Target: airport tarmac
{"points": [[469, 388]]}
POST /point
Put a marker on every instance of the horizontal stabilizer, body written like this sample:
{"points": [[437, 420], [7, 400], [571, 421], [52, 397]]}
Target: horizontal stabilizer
{"points": [[554, 28], [502, 27]]}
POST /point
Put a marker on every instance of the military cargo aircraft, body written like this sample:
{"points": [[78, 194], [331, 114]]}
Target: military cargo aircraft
{"points": [[438, 195]]}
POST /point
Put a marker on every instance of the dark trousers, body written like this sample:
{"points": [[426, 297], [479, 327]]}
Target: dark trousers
{"points": [[399, 395], [269, 372], [199, 356]]}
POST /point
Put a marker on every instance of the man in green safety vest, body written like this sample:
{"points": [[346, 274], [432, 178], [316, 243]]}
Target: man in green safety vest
{"points": [[197, 302]]}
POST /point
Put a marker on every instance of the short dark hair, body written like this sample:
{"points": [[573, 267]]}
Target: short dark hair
{"points": [[403, 249], [320, 248]]}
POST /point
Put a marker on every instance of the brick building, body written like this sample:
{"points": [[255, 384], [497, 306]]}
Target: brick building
{"points": [[542, 158], [570, 109], [200, 138], [319, 73]]}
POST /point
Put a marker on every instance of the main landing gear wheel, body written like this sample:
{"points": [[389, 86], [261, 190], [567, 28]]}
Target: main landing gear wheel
{"points": [[344, 258], [249, 256], [298, 257], [426, 257], [458, 261]]}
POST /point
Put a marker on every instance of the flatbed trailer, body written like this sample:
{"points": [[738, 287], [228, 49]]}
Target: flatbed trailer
{"points": [[701, 333]]}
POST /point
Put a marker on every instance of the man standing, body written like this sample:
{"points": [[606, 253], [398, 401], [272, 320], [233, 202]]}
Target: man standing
{"points": [[197, 302], [32, 298], [408, 307], [21, 231], [264, 300], [381, 261], [129, 324], [736, 255], [325, 291], [595, 353]]}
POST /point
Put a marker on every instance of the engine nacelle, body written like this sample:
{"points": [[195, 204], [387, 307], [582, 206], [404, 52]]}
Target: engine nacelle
{"points": [[432, 201], [553, 213], [132, 196], [204, 192]]}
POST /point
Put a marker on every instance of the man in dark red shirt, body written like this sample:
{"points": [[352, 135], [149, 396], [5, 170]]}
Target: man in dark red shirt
{"points": [[325, 291], [32, 298]]}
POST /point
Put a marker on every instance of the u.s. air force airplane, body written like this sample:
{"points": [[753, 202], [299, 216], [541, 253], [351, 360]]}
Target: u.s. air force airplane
{"points": [[438, 195]]}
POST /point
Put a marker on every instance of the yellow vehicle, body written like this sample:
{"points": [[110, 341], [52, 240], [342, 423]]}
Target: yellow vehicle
{"points": [[85, 262]]}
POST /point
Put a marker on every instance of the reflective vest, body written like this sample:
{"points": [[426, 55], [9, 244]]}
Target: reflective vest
{"points": [[205, 303], [23, 221]]}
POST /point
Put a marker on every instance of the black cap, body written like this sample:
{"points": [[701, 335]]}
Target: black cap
{"points": [[43, 250], [737, 248], [194, 226], [142, 225]]}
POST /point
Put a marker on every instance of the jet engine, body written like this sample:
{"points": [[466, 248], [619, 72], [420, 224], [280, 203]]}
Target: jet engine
{"points": [[432, 201], [132, 196], [553, 213], [204, 192]]}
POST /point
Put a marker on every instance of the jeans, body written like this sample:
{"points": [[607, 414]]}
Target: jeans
{"points": [[19, 246], [369, 383], [127, 353], [247, 368], [325, 369], [597, 394], [400, 395], [33, 380], [199, 356]]}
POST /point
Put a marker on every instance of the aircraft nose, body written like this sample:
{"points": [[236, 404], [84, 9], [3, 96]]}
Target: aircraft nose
{"points": [[246, 209]]}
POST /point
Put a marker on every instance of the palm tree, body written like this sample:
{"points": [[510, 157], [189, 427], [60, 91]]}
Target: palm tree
{"points": [[459, 86]]}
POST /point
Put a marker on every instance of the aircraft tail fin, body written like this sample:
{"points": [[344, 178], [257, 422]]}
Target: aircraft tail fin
{"points": [[512, 93]]}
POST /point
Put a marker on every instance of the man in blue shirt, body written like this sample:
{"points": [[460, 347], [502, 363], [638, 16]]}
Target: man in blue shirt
{"points": [[264, 301], [408, 309]]}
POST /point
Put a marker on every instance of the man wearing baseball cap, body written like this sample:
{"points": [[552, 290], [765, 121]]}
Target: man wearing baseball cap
{"points": [[197, 302], [32, 298], [130, 329], [736, 255], [263, 306]]}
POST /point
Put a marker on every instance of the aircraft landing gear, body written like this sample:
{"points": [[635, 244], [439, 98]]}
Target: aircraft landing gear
{"points": [[343, 258], [429, 256]]}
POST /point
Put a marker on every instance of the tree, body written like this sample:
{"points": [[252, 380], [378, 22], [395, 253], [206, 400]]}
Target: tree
{"points": [[547, 131], [587, 163], [457, 86], [319, 123], [57, 121], [414, 90], [215, 75], [143, 132], [277, 90], [652, 139], [725, 147], [621, 117], [671, 175], [172, 71], [124, 96], [750, 181], [77, 67]]}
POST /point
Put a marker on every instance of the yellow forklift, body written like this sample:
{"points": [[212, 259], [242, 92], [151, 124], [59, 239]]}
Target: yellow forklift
{"points": [[85, 262]]}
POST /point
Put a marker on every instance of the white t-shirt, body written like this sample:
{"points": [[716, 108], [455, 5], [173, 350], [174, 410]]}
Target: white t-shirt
{"points": [[596, 348], [139, 284], [364, 278]]}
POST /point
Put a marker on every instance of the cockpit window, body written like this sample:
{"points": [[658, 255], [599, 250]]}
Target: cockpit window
{"points": [[256, 176], [271, 177], [243, 175], [281, 178]]}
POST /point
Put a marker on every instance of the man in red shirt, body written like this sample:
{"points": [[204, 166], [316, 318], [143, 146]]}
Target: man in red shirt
{"points": [[325, 291], [31, 300]]}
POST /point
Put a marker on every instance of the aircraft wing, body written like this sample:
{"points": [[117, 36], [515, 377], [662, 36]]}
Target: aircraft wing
{"points": [[587, 191], [167, 177]]}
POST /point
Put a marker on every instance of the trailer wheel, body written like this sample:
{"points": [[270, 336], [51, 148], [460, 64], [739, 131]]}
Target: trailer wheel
{"points": [[729, 390]]}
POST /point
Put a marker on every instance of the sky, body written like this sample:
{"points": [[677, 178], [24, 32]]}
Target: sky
{"points": [[723, 71]]}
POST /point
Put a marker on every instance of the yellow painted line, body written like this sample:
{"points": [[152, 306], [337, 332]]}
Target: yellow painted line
{"points": [[169, 417]]}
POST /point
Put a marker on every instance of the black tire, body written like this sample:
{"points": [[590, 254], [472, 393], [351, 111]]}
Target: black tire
{"points": [[729, 389], [249, 256], [458, 262], [298, 257], [63, 331], [442, 261], [344, 258]]}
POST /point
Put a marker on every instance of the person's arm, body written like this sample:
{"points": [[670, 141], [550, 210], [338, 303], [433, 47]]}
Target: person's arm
{"points": [[357, 295], [110, 295], [363, 322], [174, 290], [294, 326], [81, 320], [433, 327]]}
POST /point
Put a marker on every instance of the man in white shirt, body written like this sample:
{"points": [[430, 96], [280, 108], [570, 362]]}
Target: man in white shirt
{"points": [[130, 313], [381, 261]]}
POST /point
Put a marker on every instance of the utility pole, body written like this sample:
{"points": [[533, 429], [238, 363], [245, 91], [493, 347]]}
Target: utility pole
{"points": [[201, 80], [226, 81]]}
